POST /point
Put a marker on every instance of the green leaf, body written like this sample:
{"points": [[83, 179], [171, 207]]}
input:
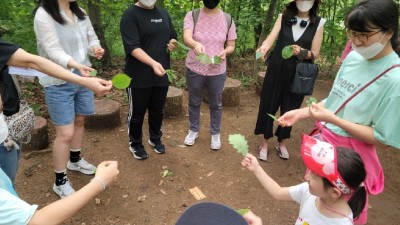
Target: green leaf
{"points": [[311, 100], [182, 46], [121, 81], [217, 59], [242, 211], [287, 52], [167, 173], [203, 59], [171, 75], [272, 116], [258, 55], [239, 143], [93, 73]]}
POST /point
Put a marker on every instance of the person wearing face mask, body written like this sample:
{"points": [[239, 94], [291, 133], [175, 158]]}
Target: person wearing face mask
{"points": [[366, 122], [301, 27], [214, 34], [147, 32]]}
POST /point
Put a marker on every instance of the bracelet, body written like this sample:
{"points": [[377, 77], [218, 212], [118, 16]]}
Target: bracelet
{"points": [[101, 182]]}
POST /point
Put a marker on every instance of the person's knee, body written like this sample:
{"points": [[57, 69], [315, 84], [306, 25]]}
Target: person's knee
{"points": [[79, 121]]}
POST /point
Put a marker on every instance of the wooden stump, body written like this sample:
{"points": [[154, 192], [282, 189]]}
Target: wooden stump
{"points": [[39, 136], [260, 81], [106, 115], [173, 103], [231, 95]]}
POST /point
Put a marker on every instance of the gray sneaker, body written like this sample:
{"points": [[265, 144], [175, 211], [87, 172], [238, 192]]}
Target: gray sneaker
{"points": [[215, 142], [63, 190], [82, 166]]}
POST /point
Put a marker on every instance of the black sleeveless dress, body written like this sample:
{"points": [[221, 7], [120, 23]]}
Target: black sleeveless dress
{"points": [[275, 93]]}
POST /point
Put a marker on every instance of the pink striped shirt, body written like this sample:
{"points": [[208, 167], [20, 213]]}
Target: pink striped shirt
{"points": [[211, 32]]}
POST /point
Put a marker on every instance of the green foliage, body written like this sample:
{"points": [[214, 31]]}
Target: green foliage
{"points": [[287, 52], [171, 75], [246, 81], [121, 81], [239, 143], [311, 100], [242, 211], [272, 116]]}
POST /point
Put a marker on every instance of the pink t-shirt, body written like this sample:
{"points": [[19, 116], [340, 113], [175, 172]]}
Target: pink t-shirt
{"points": [[210, 31]]}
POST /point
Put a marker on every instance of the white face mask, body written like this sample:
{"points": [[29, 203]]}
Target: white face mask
{"points": [[370, 51], [148, 3], [3, 129], [304, 6]]}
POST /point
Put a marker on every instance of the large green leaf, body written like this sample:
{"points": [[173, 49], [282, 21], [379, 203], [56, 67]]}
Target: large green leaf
{"points": [[171, 75], [258, 55], [287, 52], [239, 143], [93, 73], [203, 58], [217, 59], [121, 81]]}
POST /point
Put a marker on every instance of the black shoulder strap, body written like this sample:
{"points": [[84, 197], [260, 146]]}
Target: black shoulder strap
{"points": [[195, 14]]}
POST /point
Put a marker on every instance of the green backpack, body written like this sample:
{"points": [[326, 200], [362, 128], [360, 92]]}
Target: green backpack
{"points": [[228, 18]]}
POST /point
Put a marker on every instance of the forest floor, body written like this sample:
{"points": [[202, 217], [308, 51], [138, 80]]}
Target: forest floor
{"points": [[218, 174]]}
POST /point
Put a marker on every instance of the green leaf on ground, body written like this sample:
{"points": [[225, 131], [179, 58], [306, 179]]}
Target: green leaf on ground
{"points": [[203, 59], [272, 116], [167, 173], [239, 143], [242, 211], [311, 100], [93, 73], [171, 75], [217, 59], [121, 81], [258, 55], [287, 52]]}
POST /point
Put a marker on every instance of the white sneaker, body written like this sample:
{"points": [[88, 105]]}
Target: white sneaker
{"points": [[191, 137], [82, 166], [215, 142], [63, 190]]}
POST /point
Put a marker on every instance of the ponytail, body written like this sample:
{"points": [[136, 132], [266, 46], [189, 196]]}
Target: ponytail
{"points": [[357, 201]]}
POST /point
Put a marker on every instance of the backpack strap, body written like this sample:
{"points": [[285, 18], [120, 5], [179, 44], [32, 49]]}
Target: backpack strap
{"points": [[228, 17]]}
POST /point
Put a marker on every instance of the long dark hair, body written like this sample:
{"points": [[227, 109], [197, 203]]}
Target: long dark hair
{"points": [[352, 169], [52, 8], [369, 14], [291, 11]]}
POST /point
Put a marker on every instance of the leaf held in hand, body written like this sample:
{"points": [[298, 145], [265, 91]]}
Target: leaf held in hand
{"points": [[93, 73], [121, 81], [311, 100], [171, 75], [217, 60], [242, 211], [258, 55], [203, 59], [182, 46], [272, 116], [287, 52], [239, 143]]}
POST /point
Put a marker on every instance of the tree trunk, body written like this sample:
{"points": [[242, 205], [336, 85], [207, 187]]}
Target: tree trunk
{"points": [[95, 17], [266, 29]]}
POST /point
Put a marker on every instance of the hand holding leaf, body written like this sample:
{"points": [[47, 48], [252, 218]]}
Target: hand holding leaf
{"points": [[258, 55], [93, 73], [171, 75], [310, 101], [121, 81], [272, 116], [239, 143]]}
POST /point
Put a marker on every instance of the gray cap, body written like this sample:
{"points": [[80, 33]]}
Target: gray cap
{"points": [[210, 213]]}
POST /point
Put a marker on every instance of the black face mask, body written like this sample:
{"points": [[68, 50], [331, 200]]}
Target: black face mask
{"points": [[210, 4]]}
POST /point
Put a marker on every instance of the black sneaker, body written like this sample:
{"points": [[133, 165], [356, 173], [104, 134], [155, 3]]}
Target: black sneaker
{"points": [[158, 147], [138, 152]]}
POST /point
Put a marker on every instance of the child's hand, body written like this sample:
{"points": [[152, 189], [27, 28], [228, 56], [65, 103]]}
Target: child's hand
{"points": [[252, 219], [107, 172], [250, 162]]}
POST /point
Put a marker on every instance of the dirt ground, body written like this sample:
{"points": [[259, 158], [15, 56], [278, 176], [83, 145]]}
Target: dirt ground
{"points": [[218, 174]]}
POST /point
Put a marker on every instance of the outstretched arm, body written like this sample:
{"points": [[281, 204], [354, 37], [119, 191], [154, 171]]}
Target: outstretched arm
{"points": [[61, 210], [22, 58], [272, 187]]}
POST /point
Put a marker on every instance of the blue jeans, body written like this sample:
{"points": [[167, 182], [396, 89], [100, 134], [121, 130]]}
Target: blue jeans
{"points": [[9, 161], [67, 100], [214, 85]]}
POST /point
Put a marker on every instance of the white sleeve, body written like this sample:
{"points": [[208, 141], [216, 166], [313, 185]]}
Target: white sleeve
{"points": [[298, 192], [13, 210]]}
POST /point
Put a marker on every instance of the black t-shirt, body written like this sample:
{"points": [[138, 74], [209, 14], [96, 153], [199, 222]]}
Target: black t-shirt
{"points": [[9, 93], [151, 30]]}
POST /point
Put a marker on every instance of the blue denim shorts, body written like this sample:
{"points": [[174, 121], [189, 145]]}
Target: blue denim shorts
{"points": [[67, 100]]}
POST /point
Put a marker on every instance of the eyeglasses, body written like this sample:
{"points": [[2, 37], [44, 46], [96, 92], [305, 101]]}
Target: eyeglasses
{"points": [[362, 37]]}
